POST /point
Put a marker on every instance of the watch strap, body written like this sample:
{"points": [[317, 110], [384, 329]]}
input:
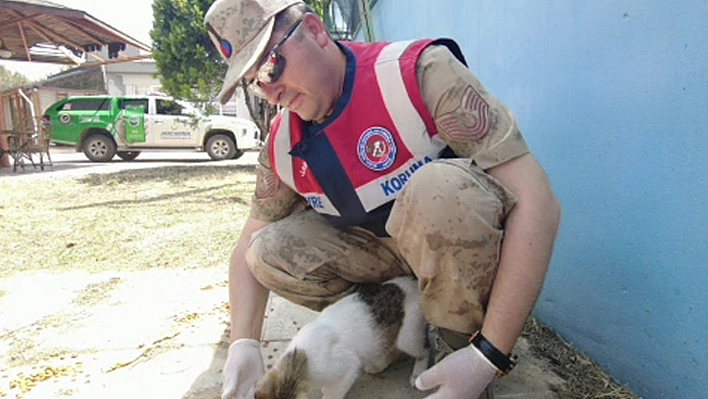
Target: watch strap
{"points": [[502, 362]]}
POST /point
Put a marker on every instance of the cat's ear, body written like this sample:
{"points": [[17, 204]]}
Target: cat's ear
{"points": [[266, 388]]}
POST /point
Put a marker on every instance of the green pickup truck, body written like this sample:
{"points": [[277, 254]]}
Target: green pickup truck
{"points": [[104, 126]]}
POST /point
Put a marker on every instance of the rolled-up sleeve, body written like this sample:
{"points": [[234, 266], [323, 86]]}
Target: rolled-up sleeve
{"points": [[474, 123], [272, 200]]}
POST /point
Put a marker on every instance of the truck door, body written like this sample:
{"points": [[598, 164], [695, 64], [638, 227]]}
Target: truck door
{"points": [[132, 128], [134, 117], [172, 127]]}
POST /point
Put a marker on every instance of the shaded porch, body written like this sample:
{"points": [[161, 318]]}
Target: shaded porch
{"points": [[41, 31]]}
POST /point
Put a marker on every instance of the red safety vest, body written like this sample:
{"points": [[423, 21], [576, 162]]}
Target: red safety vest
{"points": [[365, 155]]}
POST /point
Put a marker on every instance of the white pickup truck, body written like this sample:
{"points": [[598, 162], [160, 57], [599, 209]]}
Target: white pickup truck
{"points": [[105, 126]]}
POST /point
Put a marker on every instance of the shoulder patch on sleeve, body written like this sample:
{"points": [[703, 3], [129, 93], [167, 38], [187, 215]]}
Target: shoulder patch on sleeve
{"points": [[470, 119], [266, 183]]}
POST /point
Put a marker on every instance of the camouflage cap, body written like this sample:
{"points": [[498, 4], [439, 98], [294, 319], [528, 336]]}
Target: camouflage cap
{"points": [[241, 30]]}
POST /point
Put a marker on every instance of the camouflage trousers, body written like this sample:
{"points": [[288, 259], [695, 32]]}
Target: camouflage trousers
{"points": [[446, 228]]}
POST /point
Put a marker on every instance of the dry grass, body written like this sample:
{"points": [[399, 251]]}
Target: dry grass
{"points": [[174, 217], [584, 379]]}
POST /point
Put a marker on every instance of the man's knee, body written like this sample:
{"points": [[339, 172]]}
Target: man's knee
{"points": [[448, 223], [255, 251], [265, 253], [448, 193]]}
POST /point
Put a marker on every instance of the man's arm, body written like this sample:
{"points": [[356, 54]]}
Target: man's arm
{"points": [[478, 126], [271, 201], [247, 297], [529, 233], [244, 366], [530, 230], [455, 97]]}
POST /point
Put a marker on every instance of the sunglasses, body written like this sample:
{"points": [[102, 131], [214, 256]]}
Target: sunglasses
{"points": [[272, 66]]}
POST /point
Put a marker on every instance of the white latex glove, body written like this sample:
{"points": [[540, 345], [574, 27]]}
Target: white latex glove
{"points": [[461, 375], [242, 370]]}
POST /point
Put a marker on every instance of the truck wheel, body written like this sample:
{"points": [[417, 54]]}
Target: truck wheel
{"points": [[221, 146], [237, 155], [128, 155], [99, 148]]}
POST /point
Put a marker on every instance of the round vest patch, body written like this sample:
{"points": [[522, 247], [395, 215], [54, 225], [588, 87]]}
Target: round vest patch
{"points": [[376, 149]]}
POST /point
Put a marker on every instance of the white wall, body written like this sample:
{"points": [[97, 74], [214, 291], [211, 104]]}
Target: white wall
{"points": [[131, 84]]}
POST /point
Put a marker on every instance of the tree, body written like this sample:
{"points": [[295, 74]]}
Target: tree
{"points": [[319, 6], [189, 65], [10, 80]]}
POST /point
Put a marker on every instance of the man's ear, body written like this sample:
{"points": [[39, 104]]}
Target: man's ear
{"points": [[316, 28]]}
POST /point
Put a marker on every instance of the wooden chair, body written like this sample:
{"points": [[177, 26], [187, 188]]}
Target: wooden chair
{"points": [[31, 139]]}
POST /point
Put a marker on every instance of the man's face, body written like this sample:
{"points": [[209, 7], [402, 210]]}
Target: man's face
{"points": [[289, 74]]}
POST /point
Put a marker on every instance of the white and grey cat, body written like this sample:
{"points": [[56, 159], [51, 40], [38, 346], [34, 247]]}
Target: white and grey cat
{"points": [[366, 330]]}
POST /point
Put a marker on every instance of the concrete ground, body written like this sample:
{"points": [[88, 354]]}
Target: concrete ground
{"points": [[158, 333]]}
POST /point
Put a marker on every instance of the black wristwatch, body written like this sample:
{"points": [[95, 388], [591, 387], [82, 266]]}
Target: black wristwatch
{"points": [[502, 362]]}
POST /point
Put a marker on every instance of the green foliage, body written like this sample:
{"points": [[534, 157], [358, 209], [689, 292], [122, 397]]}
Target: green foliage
{"points": [[319, 6], [189, 65], [10, 80]]}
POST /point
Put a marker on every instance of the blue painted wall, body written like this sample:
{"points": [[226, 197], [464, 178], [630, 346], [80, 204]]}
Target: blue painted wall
{"points": [[612, 97]]}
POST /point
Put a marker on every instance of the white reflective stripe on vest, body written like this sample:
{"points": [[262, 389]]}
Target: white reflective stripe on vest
{"points": [[321, 204], [393, 90], [284, 165], [409, 124], [379, 191], [283, 161]]}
